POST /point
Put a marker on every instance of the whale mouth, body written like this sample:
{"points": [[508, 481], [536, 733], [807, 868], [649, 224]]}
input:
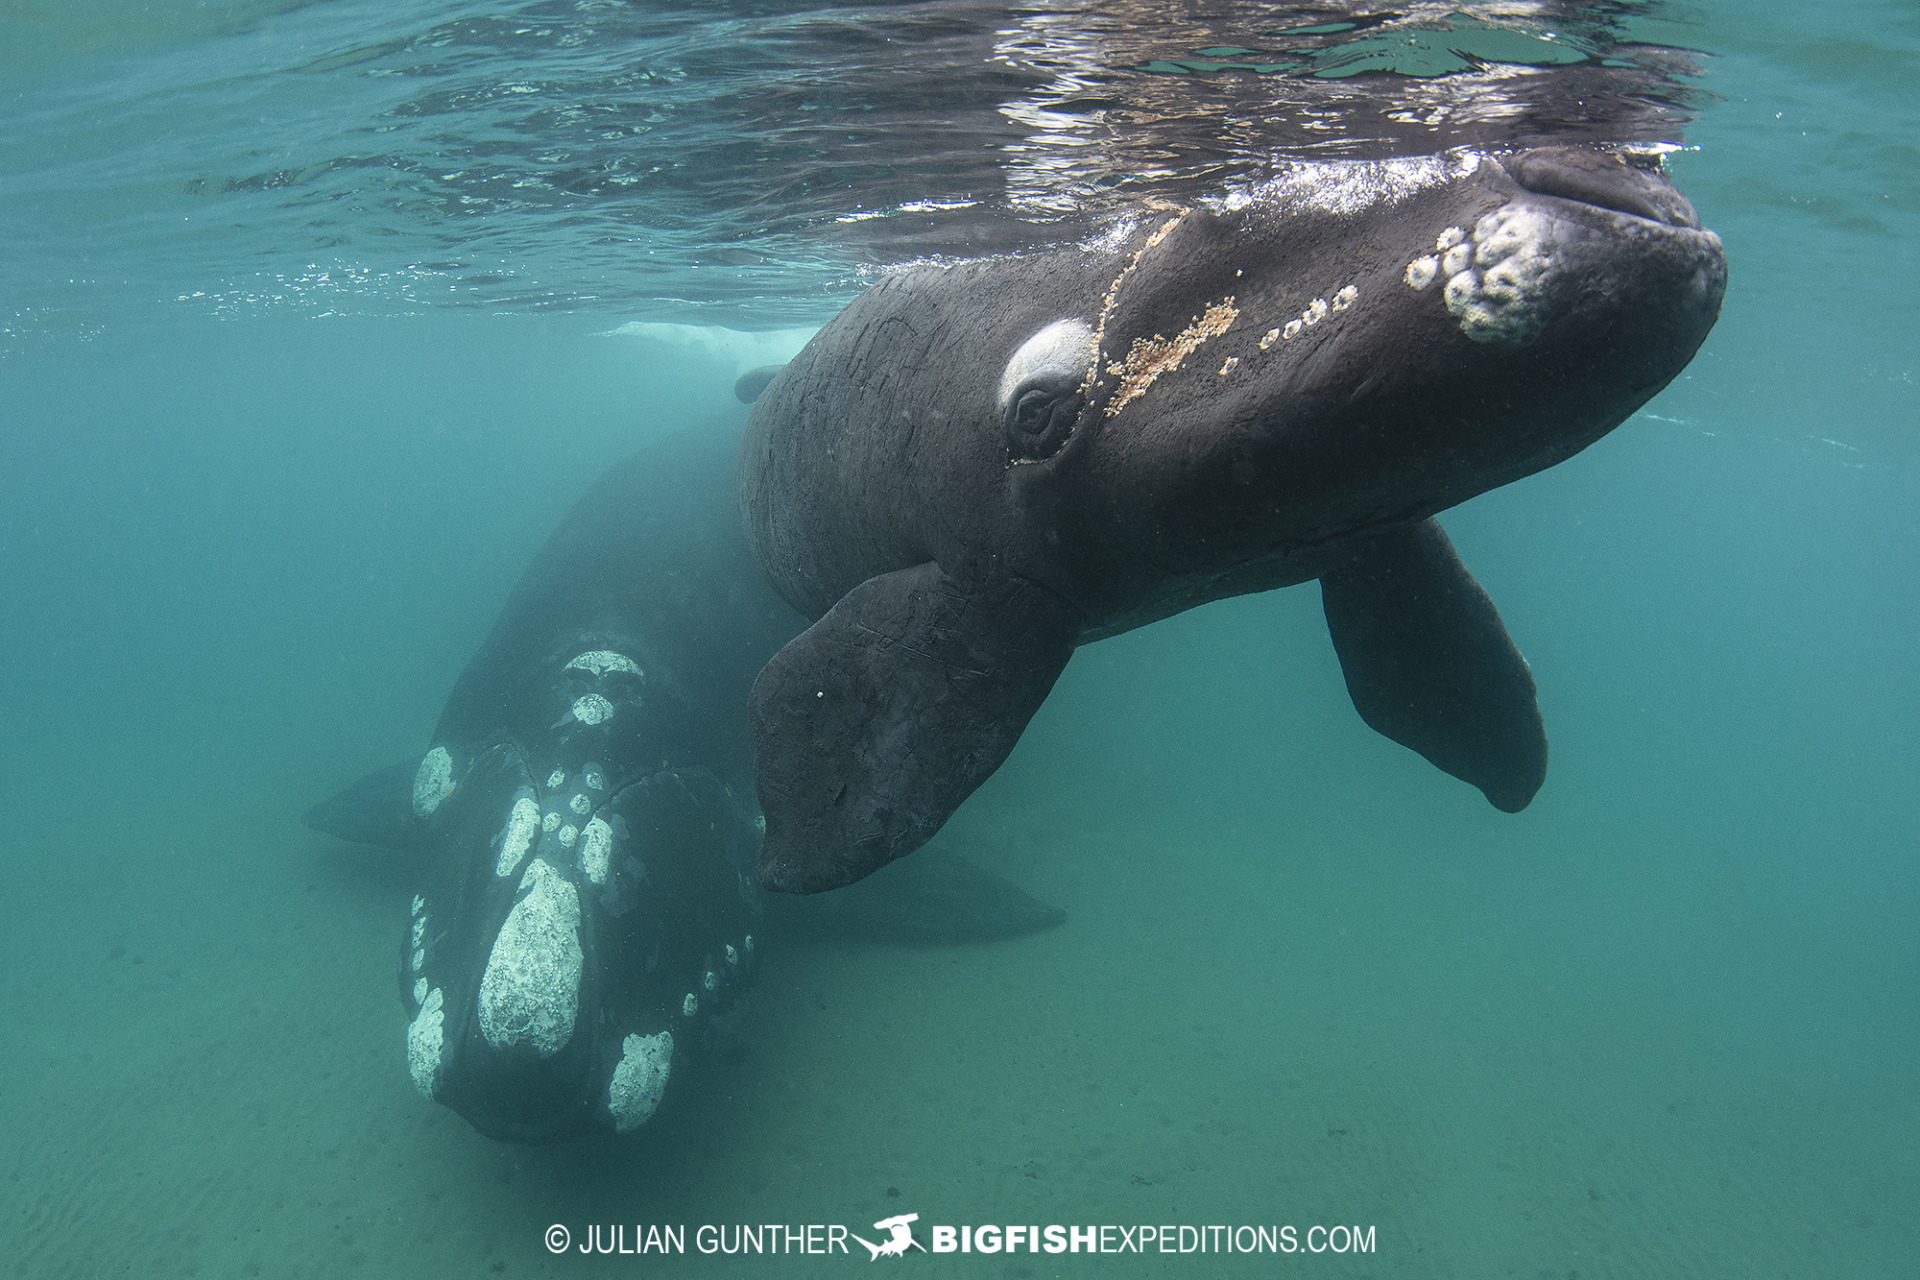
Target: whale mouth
{"points": [[1604, 179]]}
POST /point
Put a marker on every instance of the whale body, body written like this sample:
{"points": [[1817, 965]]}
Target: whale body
{"points": [[977, 467], [582, 829]]}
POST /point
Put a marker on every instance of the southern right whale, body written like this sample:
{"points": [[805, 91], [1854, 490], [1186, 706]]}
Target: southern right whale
{"points": [[581, 829], [976, 467]]}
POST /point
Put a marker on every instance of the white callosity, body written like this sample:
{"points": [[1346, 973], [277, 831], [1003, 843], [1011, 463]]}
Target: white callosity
{"points": [[555, 779], [641, 1078], [567, 835], [1497, 280], [596, 850], [423, 1042], [420, 991], [551, 822], [601, 661], [432, 782], [517, 836], [1063, 350], [580, 804], [530, 991], [591, 708]]}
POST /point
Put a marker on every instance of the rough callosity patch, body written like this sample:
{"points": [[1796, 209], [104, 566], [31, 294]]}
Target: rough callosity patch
{"points": [[580, 804], [595, 780], [592, 709], [530, 991], [433, 782], [551, 822], [1063, 349], [596, 850], [517, 837], [567, 835], [1498, 283], [1112, 296], [1350, 186], [556, 779], [420, 991], [423, 1042], [601, 661], [639, 1081], [1148, 358]]}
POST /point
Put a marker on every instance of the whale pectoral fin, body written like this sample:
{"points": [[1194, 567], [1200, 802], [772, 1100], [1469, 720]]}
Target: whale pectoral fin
{"points": [[935, 897], [872, 725], [377, 810], [1430, 665]]}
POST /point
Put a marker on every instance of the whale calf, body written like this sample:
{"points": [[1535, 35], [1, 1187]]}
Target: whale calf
{"points": [[977, 467], [582, 828]]}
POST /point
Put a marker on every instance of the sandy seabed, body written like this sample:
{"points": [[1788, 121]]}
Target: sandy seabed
{"points": [[1558, 1045]]}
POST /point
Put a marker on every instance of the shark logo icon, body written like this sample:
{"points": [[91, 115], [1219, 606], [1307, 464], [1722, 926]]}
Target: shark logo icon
{"points": [[898, 1242]]}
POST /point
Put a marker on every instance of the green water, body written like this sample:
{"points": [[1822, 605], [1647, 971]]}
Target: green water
{"points": [[1663, 1023]]}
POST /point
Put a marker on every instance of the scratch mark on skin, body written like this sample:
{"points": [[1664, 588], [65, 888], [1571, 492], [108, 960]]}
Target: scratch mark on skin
{"points": [[1148, 358]]}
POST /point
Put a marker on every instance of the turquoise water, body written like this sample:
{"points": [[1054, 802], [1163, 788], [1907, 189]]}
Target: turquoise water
{"points": [[275, 447]]}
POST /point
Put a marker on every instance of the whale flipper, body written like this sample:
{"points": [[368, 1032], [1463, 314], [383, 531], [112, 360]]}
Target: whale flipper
{"points": [[935, 897], [873, 724], [1429, 663], [376, 810]]}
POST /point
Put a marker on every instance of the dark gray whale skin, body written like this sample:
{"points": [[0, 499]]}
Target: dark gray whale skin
{"points": [[646, 598], [961, 486]]}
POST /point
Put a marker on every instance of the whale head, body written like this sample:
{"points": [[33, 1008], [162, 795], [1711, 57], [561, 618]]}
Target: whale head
{"points": [[1351, 347], [585, 914]]}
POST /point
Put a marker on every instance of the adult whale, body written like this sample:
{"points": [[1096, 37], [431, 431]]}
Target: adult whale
{"points": [[975, 468], [581, 826]]}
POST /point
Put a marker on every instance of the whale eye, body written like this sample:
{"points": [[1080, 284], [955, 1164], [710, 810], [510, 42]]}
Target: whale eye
{"points": [[1041, 418], [1039, 391]]}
